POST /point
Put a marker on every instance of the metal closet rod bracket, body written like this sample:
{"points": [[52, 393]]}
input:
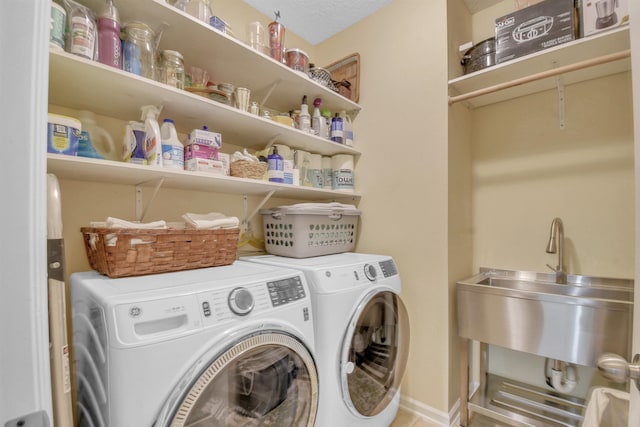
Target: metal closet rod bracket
{"points": [[141, 210]]}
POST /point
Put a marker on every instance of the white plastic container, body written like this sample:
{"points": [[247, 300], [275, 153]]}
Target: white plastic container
{"points": [[58, 23], [310, 229], [95, 142], [63, 134], [172, 148], [152, 136]]}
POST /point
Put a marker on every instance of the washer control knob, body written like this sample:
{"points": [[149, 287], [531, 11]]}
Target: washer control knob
{"points": [[370, 272], [241, 301]]}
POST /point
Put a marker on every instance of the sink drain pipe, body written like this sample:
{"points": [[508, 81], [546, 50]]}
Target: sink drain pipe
{"points": [[563, 376]]}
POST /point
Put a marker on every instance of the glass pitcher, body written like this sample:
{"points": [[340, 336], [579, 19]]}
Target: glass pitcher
{"points": [[139, 55]]}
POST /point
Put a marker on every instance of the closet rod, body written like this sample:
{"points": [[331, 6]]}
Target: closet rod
{"points": [[542, 75]]}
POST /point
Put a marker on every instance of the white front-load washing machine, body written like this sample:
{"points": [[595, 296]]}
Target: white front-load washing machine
{"points": [[223, 346], [362, 335]]}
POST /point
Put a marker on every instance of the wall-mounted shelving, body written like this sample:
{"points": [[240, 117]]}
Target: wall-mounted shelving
{"points": [[105, 171], [228, 59], [581, 50], [82, 84]]}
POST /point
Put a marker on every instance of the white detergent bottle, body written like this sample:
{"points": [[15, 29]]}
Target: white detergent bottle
{"points": [[172, 148], [152, 136], [318, 123], [305, 118], [347, 128]]}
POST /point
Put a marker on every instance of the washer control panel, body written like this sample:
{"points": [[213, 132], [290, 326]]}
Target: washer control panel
{"points": [[285, 291]]}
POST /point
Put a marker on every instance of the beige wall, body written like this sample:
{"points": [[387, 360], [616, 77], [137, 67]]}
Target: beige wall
{"points": [[526, 171], [402, 172]]}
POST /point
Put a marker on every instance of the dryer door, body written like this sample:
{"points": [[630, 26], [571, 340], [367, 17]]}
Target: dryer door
{"points": [[374, 353], [265, 379]]}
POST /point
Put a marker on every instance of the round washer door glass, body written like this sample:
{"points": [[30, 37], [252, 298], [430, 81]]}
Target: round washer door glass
{"points": [[375, 353], [268, 379]]}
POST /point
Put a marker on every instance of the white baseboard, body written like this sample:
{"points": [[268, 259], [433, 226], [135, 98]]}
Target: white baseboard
{"points": [[432, 415]]}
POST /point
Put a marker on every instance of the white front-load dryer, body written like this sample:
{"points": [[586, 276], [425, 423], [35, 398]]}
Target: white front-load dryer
{"points": [[362, 335], [223, 346]]}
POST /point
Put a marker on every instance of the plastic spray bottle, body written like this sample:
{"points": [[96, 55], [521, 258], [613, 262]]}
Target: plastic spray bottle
{"points": [[152, 136], [172, 148], [318, 123], [109, 52], [304, 118], [276, 166], [326, 115]]}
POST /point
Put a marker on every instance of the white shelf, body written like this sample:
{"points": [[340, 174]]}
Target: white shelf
{"points": [[227, 59], [81, 84], [566, 54], [105, 171]]}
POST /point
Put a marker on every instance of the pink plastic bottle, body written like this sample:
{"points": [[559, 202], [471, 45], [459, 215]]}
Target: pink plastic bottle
{"points": [[109, 52]]}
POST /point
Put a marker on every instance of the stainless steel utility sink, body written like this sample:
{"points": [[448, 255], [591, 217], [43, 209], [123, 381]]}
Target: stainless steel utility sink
{"points": [[527, 311]]}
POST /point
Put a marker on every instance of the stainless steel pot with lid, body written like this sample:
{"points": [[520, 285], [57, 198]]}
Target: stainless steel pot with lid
{"points": [[479, 56]]}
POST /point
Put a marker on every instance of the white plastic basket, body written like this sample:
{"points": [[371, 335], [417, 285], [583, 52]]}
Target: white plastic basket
{"points": [[310, 229]]}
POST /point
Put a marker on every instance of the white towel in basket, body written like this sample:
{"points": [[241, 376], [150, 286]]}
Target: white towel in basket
{"points": [[212, 220], [121, 223], [331, 205]]}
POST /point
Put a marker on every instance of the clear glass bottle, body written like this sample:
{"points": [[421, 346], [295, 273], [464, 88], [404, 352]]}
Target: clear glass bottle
{"points": [[139, 50], [172, 68]]}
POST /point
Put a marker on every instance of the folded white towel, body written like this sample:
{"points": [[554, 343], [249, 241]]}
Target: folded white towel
{"points": [[331, 205], [121, 223], [211, 220], [244, 156]]}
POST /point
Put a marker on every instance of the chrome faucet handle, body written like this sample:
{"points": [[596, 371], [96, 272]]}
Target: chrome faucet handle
{"points": [[556, 269]]}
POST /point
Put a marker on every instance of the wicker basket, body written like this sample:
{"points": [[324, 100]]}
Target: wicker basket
{"points": [[126, 252], [247, 169]]}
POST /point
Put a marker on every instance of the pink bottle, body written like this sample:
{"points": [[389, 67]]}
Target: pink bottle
{"points": [[109, 51]]}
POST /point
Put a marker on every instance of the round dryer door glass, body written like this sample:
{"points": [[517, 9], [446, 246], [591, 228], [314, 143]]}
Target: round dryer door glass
{"points": [[268, 379], [375, 353]]}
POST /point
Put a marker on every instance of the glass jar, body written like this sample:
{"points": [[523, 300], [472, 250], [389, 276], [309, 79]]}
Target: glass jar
{"points": [[172, 68], [229, 90], [139, 50]]}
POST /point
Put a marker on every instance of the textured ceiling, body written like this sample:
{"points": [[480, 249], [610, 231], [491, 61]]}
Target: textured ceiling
{"points": [[317, 20]]}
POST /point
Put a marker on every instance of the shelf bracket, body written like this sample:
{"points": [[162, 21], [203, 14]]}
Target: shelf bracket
{"points": [[269, 92], [141, 210], [247, 219]]}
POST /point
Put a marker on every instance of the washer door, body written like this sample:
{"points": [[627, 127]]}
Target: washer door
{"points": [[266, 379], [374, 353]]}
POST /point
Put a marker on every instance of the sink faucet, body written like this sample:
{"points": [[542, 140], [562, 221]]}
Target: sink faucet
{"points": [[557, 229]]}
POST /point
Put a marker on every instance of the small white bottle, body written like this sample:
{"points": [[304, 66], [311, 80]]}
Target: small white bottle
{"points": [[304, 118], [318, 123], [152, 136], [172, 148]]}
